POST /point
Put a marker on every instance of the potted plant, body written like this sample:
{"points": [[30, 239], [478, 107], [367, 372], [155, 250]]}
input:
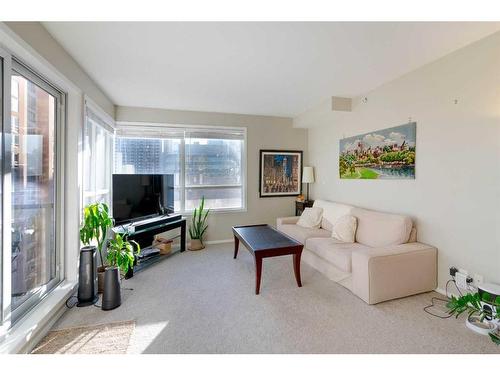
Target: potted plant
{"points": [[120, 258], [198, 226], [480, 318], [96, 223]]}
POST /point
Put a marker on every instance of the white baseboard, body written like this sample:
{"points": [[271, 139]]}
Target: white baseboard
{"points": [[218, 242], [440, 291], [450, 294]]}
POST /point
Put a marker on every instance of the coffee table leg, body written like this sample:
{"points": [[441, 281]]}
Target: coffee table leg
{"points": [[258, 273], [236, 246], [296, 268]]}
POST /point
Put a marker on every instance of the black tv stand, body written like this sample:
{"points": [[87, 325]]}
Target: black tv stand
{"points": [[144, 234]]}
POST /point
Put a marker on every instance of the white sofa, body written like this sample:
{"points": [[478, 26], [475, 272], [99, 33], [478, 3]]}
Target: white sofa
{"points": [[385, 262]]}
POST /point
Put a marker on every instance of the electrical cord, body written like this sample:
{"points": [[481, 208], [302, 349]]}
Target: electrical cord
{"points": [[70, 306], [433, 304]]}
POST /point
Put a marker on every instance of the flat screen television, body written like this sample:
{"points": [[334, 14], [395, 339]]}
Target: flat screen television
{"points": [[142, 196]]}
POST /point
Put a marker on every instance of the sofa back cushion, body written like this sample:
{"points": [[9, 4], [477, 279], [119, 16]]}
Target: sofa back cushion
{"points": [[311, 217], [379, 229], [332, 212]]}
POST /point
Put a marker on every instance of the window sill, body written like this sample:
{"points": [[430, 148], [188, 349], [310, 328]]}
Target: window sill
{"points": [[24, 334]]}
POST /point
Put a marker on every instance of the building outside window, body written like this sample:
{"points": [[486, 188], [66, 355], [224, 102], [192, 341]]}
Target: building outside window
{"points": [[149, 156], [206, 162]]}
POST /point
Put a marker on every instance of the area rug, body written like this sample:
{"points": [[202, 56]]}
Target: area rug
{"points": [[111, 338]]}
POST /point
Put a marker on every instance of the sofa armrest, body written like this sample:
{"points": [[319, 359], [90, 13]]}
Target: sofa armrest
{"points": [[287, 220], [381, 274]]}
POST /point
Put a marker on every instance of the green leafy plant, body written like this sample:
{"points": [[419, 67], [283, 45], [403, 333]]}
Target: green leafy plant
{"points": [[199, 224], [121, 252], [96, 222], [471, 303]]}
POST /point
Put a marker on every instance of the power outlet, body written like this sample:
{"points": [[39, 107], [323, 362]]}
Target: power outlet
{"points": [[461, 280]]}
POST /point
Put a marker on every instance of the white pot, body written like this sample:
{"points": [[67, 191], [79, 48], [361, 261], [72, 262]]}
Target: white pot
{"points": [[483, 328]]}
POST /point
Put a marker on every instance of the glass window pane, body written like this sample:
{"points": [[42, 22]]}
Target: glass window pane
{"points": [[149, 156], [87, 157], [97, 165], [213, 161], [33, 190], [214, 197], [100, 159], [1, 189]]}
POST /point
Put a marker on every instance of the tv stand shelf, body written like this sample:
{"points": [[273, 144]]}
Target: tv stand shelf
{"points": [[145, 236], [149, 261]]}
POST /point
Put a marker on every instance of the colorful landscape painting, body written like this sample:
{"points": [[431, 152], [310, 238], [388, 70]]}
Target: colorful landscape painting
{"points": [[382, 154]]}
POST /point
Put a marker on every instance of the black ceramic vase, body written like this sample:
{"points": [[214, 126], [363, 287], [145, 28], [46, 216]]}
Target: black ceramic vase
{"points": [[111, 297], [87, 277]]}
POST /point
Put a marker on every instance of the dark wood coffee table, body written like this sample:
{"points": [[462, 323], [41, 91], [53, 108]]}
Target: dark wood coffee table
{"points": [[263, 241]]}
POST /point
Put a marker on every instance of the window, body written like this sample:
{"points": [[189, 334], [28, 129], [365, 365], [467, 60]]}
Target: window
{"points": [[213, 170], [206, 162], [31, 205], [3, 116], [150, 156], [97, 155]]}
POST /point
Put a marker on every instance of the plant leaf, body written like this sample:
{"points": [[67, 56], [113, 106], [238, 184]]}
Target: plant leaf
{"points": [[495, 338]]}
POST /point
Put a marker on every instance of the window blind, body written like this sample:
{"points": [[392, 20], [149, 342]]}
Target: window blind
{"points": [[148, 131], [99, 118], [221, 133], [165, 131]]}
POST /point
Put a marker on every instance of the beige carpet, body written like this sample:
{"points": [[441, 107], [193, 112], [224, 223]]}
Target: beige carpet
{"points": [[111, 338], [204, 302]]}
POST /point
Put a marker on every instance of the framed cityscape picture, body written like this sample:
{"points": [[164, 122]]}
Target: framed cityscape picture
{"points": [[280, 173]]}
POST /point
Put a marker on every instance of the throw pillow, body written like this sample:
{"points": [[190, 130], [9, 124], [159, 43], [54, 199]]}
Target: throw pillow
{"points": [[344, 229], [311, 217]]}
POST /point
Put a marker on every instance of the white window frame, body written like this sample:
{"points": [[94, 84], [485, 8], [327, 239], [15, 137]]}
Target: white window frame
{"points": [[11, 66], [182, 160], [109, 126]]}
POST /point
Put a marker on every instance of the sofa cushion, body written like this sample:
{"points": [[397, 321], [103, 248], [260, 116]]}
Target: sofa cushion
{"points": [[301, 234], [311, 217], [378, 229], [334, 251], [344, 229], [332, 211]]}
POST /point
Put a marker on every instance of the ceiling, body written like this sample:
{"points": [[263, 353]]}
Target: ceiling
{"points": [[277, 68]]}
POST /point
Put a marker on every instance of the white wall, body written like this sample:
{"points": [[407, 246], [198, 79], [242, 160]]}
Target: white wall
{"points": [[263, 132], [38, 38], [455, 197]]}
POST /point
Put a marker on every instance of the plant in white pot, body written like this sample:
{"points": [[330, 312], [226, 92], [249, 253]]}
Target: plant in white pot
{"points": [[480, 318], [198, 226], [120, 258], [96, 223]]}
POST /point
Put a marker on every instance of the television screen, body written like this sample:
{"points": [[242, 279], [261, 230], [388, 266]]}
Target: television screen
{"points": [[139, 196]]}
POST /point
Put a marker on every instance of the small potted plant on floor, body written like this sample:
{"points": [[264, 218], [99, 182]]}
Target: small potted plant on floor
{"points": [[96, 223], [198, 226], [481, 317], [120, 258]]}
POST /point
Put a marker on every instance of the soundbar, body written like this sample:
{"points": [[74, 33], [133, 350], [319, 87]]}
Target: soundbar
{"points": [[153, 222]]}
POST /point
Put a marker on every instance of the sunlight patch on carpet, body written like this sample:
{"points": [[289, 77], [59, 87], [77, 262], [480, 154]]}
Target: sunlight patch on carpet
{"points": [[110, 338]]}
